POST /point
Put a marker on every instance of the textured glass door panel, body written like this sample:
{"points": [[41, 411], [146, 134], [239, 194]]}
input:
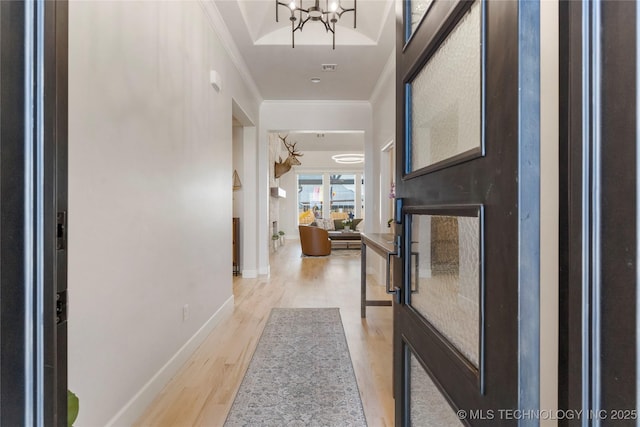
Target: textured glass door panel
{"points": [[445, 278], [417, 9], [445, 100], [428, 407]]}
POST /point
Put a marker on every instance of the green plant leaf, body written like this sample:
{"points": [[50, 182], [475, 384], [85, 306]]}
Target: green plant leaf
{"points": [[73, 407]]}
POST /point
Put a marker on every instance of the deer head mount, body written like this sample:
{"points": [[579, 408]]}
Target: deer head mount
{"points": [[284, 166]]}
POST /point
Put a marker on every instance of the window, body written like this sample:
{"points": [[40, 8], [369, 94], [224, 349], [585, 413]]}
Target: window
{"points": [[343, 193], [309, 198], [341, 190]]}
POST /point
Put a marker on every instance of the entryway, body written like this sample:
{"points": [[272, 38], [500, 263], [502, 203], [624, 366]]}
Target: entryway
{"points": [[203, 391]]}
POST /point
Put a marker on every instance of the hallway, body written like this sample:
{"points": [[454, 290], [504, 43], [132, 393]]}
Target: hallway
{"points": [[203, 391]]}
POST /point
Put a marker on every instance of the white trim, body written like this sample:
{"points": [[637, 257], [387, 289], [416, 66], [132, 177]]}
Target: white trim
{"points": [[316, 102], [265, 271], [425, 272], [388, 146], [249, 274], [388, 69], [220, 28], [132, 410]]}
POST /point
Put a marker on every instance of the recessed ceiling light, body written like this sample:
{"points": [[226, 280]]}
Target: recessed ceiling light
{"points": [[315, 80]]}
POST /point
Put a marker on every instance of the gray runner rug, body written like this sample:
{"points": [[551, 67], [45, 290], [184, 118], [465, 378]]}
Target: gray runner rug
{"points": [[300, 374]]}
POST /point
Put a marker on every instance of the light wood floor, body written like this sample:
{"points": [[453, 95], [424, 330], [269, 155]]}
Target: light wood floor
{"points": [[203, 391]]}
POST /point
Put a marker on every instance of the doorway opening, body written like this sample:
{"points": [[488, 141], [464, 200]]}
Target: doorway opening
{"points": [[244, 196]]}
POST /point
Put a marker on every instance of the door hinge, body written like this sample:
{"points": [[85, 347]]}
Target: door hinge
{"points": [[61, 231], [61, 307]]}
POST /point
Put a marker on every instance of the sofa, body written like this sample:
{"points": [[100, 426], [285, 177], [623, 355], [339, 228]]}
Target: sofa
{"points": [[334, 224], [314, 241], [339, 225]]}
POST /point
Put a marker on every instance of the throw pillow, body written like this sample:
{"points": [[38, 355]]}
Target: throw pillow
{"points": [[306, 217], [327, 224]]}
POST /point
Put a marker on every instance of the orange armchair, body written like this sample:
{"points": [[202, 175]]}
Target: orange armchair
{"points": [[314, 240]]}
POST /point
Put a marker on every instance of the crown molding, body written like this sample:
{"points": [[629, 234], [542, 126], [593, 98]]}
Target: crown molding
{"points": [[222, 31], [387, 71], [389, 10]]}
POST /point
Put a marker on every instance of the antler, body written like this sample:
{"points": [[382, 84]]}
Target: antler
{"points": [[281, 167], [291, 148]]}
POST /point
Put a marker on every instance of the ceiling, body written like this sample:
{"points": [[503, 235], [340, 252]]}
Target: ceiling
{"points": [[284, 73], [327, 141]]}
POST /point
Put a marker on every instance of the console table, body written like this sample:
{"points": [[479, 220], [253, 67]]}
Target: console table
{"points": [[383, 245]]}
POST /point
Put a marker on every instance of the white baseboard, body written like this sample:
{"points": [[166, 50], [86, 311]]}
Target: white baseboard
{"points": [[425, 273], [133, 409], [265, 271], [249, 274]]}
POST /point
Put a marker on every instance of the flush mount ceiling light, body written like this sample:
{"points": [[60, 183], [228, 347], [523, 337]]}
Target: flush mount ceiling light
{"points": [[328, 15], [315, 80], [348, 159]]}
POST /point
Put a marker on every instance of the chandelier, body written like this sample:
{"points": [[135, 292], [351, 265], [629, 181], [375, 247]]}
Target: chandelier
{"points": [[328, 15]]}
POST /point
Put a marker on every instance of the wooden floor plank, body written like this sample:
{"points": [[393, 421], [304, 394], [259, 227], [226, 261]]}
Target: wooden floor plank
{"points": [[202, 392]]}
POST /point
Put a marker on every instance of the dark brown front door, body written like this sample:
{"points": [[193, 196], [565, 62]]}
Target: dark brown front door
{"points": [[467, 317]]}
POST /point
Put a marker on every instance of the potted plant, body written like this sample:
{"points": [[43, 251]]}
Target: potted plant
{"points": [[347, 224], [275, 239], [73, 407], [281, 233]]}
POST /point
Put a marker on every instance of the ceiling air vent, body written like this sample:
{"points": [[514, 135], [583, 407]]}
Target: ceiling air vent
{"points": [[329, 67]]}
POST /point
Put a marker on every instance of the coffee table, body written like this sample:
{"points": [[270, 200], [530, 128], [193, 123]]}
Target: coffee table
{"points": [[347, 239]]}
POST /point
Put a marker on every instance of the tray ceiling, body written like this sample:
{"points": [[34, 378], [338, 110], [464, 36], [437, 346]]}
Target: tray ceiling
{"points": [[283, 73]]}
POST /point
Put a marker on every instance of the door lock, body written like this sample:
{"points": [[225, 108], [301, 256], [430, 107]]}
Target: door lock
{"points": [[61, 307], [61, 230]]}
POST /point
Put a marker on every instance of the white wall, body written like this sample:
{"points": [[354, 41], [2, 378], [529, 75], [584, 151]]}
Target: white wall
{"points": [[288, 206], [249, 250], [383, 104], [238, 166], [306, 116], [237, 136], [149, 197]]}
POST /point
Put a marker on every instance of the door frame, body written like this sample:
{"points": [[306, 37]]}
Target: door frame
{"points": [[33, 189], [598, 345]]}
